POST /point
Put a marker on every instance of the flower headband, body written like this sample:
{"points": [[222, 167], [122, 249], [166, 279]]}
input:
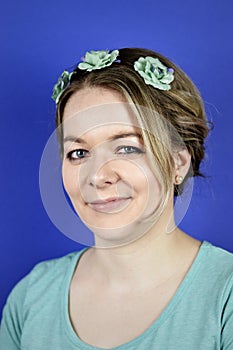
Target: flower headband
{"points": [[149, 68]]}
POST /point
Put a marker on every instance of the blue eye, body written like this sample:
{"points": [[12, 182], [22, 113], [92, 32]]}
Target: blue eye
{"points": [[77, 154], [129, 150]]}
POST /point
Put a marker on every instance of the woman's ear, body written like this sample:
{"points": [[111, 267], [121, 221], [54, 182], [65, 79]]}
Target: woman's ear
{"points": [[182, 159]]}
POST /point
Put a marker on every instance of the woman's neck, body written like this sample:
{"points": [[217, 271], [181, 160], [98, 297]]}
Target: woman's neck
{"points": [[143, 263]]}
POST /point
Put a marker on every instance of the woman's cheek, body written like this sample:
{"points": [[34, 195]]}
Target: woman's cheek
{"points": [[68, 177]]}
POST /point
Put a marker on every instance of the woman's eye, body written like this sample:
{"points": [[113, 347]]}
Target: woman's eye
{"points": [[129, 150], [77, 154]]}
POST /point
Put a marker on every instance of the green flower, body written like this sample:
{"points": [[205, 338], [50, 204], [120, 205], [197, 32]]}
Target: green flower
{"points": [[98, 59], [154, 72], [62, 83]]}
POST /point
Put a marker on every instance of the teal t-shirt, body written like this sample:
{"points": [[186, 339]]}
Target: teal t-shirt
{"points": [[198, 317]]}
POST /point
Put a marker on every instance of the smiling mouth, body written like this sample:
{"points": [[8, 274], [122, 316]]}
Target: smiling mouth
{"points": [[110, 204]]}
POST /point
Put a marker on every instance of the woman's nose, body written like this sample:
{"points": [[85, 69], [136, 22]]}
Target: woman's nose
{"points": [[101, 171]]}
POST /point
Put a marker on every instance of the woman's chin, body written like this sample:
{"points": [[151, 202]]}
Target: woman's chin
{"points": [[121, 235]]}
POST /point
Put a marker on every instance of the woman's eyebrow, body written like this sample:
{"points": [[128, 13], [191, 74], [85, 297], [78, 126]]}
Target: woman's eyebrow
{"points": [[111, 138]]}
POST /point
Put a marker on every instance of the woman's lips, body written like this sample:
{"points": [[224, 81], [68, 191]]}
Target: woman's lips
{"points": [[109, 204]]}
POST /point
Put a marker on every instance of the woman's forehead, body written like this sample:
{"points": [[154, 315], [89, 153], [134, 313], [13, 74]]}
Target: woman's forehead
{"points": [[110, 118], [104, 133], [90, 97]]}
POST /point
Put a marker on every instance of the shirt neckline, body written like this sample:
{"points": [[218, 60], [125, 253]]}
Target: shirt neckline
{"points": [[185, 284]]}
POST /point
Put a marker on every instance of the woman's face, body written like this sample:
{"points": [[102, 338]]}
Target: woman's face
{"points": [[106, 172]]}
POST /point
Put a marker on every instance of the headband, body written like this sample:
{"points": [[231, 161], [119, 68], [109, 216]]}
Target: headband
{"points": [[149, 68]]}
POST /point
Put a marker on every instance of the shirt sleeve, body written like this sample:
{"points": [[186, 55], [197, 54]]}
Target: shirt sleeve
{"points": [[12, 318], [227, 318]]}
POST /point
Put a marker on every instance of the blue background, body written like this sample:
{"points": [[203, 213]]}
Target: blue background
{"points": [[41, 38]]}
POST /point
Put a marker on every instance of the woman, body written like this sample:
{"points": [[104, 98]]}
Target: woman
{"points": [[131, 127]]}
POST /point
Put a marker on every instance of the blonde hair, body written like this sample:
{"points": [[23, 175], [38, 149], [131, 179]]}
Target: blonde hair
{"points": [[159, 112]]}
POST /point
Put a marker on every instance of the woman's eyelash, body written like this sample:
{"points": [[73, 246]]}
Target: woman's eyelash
{"points": [[131, 149], [82, 152], [71, 153]]}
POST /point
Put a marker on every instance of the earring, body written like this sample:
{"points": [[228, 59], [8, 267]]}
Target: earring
{"points": [[178, 179]]}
